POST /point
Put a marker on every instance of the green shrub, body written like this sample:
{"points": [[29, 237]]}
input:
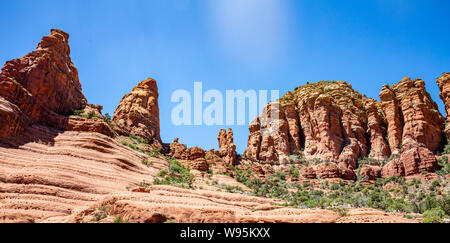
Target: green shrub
{"points": [[446, 149], [367, 160], [78, 112], [147, 163], [107, 117], [177, 175], [294, 172], [444, 165], [90, 115], [341, 211], [119, 220], [434, 215]]}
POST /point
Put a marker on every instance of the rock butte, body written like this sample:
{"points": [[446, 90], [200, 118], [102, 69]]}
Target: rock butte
{"points": [[61, 159], [330, 121]]}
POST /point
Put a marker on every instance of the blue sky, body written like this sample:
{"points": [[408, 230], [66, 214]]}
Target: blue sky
{"points": [[235, 44]]}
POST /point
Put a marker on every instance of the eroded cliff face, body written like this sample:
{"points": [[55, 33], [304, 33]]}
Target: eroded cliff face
{"points": [[326, 120], [227, 148], [376, 129], [48, 74], [41, 87], [138, 112], [444, 86], [415, 118], [332, 122]]}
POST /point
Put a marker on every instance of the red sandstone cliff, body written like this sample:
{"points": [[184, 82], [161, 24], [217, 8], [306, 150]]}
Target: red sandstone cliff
{"points": [[332, 122]]}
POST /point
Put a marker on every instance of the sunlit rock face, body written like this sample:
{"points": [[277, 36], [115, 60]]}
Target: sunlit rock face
{"points": [[43, 87], [326, 120], [444, 86], [138, 112], [330, 121], [227, 148]]}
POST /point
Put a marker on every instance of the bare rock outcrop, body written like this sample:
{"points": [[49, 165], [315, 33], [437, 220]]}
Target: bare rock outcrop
{"points": [[332, 122], [54, 186], [327, 170], [40, 87], [393, 117], [413, 117], [415, 127], [138, 112], [192, 157], [418, 160], [308, 172], [376, 129], [444, 87], [227, 149], [48, 74], [411, 162], [326, 119], [254, 140], [370, 172], [393, 168], [178, 150], [43, 88]]}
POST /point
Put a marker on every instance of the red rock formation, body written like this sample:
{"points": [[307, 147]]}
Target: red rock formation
{"points": [[48, 74], [192, 157], [12, 119], [331, 121], [347, 174], [326, 119], [87, 125], [379, 148], [196, 153], [227, 149], [444, 87], [180, 151], [411, 162], [415, 127], [292, 119], [327, 170], [57, 177], [254, 140], [370, 172], [138, 112], [417, 160], [393, 168], [308, 172], [42, 87], [394, 118], [417, 118]]}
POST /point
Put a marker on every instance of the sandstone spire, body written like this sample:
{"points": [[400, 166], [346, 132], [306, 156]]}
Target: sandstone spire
{"points": [[227, 149], [40, 87], [138, 112]]}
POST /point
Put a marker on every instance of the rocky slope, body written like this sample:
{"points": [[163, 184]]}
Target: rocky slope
{"points": [[47, 175]]}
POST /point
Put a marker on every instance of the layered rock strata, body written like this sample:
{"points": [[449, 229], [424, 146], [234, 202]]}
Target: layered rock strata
{"points": [[332, 122]]}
